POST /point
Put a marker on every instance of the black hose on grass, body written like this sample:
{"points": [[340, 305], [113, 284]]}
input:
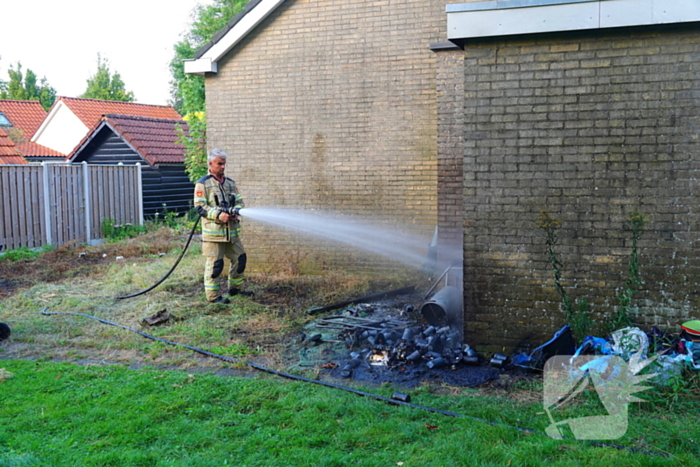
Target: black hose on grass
{"points": [[336, 386], [184, 250], [252, 365]]}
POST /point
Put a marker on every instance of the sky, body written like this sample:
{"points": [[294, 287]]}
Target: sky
{"points": [[60, 40]]}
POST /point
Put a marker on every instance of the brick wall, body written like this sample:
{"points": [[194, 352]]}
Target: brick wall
{"points": [[450, 140], [587, 127], [332, 106]]}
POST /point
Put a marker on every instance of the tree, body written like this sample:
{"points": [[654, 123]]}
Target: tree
{"points": [[24, 87], [195, 142], [47, 94], [107, 86], [187, 91]]}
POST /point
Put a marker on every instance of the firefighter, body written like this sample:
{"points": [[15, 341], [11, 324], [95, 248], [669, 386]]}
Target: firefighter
{"points": [[217, 200]]}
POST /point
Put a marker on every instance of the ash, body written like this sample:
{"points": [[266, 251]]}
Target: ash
{"points": [[389, 342]]}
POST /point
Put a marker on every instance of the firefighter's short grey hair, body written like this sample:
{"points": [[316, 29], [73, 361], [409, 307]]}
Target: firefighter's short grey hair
{"points": [[216, 153]]}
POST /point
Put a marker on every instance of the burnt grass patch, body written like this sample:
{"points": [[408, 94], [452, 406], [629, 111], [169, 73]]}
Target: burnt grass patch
{"points": [[75, 260]]}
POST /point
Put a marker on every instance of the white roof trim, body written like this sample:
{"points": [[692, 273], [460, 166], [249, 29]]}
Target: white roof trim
{"points": [[207, 63], [510, 17], [47, 120], [200, 66]]}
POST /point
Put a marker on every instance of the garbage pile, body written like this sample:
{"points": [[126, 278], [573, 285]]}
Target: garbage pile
{"points": [[386, 340], [665, 354], [393, 344], [380, 343]]}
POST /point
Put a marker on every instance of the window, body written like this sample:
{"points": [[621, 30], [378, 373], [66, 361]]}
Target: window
{"points": [[4, 121]]}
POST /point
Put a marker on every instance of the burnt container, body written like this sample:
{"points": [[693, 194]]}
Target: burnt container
{"points": [[444, 308], [346, 372], [437, 363], [471, 360]]}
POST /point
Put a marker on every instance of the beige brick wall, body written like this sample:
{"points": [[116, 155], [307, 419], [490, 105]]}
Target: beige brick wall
{"points": [[450, 99], [588, 127], [331, 106]]}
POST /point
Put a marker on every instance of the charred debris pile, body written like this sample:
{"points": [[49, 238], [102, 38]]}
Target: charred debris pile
{"points": [[393, 340]]}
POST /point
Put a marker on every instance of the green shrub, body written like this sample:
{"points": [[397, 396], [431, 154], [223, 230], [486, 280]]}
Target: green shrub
{"points": [[115, 232], [24, 253], [167, 218], [577, 314]]}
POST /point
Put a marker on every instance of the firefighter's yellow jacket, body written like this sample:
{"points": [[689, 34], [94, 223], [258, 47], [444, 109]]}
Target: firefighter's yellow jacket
{"points": [[211, 198]]}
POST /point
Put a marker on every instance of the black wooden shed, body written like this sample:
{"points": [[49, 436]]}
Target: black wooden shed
{"points": [[150, 142]]}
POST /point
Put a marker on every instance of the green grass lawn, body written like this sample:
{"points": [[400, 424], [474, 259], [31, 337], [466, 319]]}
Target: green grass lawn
{"points": [[61, 414]]}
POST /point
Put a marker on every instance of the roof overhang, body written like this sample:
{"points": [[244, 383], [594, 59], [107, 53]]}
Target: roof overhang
{"points": [[515, 17], [200, 66], [230, 36], [102, 125]]}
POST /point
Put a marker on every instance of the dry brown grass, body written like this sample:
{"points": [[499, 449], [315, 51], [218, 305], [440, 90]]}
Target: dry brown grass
{"points": [[76, 260], [81, 279]]}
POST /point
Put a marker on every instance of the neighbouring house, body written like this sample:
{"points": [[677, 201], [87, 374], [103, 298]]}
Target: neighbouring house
{"points": [[20, 120], [9, 155], [70, 119], [476, 117], [129, 139]]}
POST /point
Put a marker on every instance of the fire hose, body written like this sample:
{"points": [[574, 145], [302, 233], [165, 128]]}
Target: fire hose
{"points": [[229, 211], [394, 401], [167, 274], [250, 364]]}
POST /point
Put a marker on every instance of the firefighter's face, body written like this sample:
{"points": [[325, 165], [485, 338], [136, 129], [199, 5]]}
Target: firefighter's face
{"points": [[218, 167]]}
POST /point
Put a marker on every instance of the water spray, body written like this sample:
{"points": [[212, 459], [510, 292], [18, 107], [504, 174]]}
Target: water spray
{"points": [[354, 231]]}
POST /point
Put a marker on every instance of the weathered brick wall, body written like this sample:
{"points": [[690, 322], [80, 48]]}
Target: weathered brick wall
{"points": [[587, 127], [332, 106], [450, 141]]}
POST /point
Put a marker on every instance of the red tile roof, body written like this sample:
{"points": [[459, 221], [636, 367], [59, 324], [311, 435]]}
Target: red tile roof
{"points": [[90, 111], [7, 147], [30, 149], [153, 138], [8, 152], [24, 115]]}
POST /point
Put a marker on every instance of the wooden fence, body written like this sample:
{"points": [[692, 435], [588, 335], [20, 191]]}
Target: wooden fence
{"points": [[53, 204]]}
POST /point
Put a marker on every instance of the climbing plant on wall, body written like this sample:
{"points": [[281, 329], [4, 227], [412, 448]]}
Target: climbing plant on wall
{"points": [[577, 312]]}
